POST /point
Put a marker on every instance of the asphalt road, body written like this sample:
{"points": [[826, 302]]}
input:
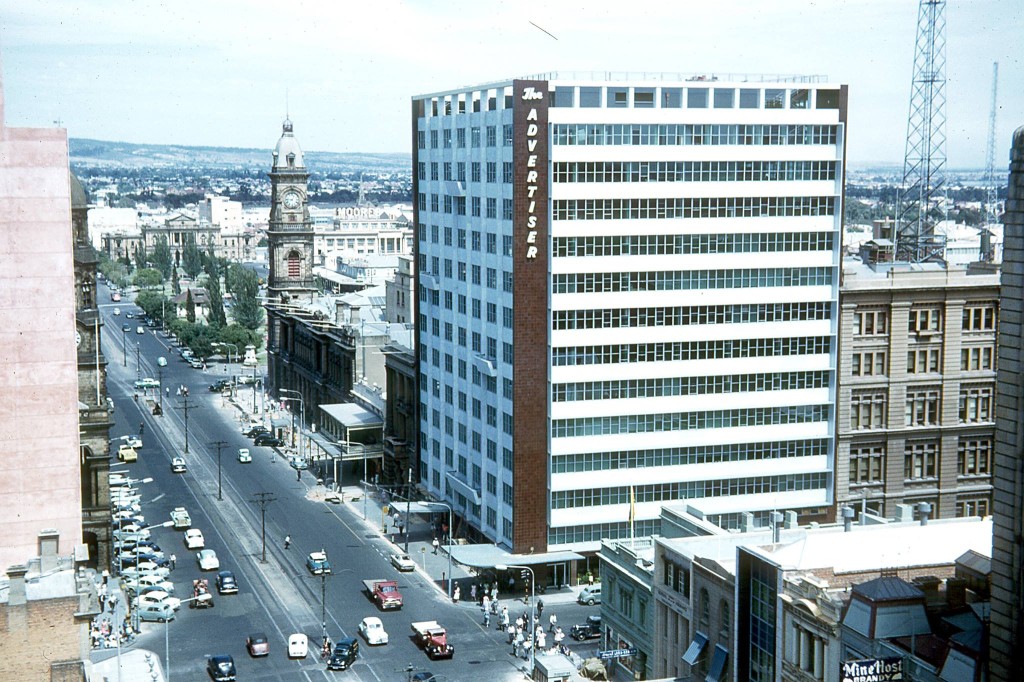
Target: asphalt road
{"points": [[278, 596]]}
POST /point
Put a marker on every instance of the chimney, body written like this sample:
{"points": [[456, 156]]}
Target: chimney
{"points": [[49, 542], [956, 593], [925, 510], [848, 514], [776, 519], [16, 575]]}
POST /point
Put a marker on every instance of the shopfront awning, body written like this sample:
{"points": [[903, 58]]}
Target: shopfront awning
{"points": [[352, 416], [717, 664], [488, 556], [466, 490], [700, 640]]}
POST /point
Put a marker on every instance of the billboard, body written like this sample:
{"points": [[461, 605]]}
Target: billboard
{"points": [[873, 670]]}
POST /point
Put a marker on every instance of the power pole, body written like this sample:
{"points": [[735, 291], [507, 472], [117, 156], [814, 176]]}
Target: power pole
{"points": [[219, 444], [185, 407], [263, 499], [922, 200]]}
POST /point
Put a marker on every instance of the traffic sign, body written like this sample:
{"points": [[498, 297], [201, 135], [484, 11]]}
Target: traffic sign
{"points": [[618, 653]]}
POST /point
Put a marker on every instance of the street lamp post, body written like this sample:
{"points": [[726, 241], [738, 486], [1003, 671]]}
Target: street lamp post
{"points": [[138, 360], [235, 346], [533, 611], [161, 362], [206, 596], [219, 444], [302, 413], [124, 343]]}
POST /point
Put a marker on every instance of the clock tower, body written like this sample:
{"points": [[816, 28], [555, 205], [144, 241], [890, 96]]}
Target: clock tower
{"points": [[290, 231]]}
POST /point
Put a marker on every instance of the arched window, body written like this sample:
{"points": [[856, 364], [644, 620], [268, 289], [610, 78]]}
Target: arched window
{"points": [[724, 620], [705, 609], [294, 260]]}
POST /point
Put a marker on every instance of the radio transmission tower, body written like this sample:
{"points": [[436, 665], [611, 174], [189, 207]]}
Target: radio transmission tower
{"points": [[922, 199], [991, 200]]}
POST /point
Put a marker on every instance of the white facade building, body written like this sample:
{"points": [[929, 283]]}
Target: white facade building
{"points": [[627, 297], [222, 211], [362, 230]]}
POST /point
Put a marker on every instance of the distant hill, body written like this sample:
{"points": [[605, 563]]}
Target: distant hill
{"points": [[99, 153]]}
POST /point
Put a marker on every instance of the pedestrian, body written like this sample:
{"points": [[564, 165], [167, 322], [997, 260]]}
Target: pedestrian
{"points": [[559, 636], [511, 584], [494, 606], [542, 640], [518, 643], [167, 391], [298, 474], [494, 593], [456, 594], [520, 623], [487, 618], [504, 618], [472, 592], [590, 578], [174, 561], [287, 541], [142, 427], [552, 622], [436, 544], [540, 608], [394, 519], [486, 603]]}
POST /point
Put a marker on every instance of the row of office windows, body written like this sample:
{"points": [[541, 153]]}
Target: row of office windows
{"points": [[675, 351], [612, 318], [682, 280], [693, 171], [688, 490], [678, 386], [595, 532], [688, 421], [705, 454], [478, 240], [456, 171], [924, 360], [688, 244], [975, 318], [478, 136], [920, 460], [868, 408], [692, 207], [687, 134], [619, 96], [457, 205]]}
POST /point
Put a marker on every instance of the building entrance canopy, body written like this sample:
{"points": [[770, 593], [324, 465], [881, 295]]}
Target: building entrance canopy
{"points": [[488, 556]]}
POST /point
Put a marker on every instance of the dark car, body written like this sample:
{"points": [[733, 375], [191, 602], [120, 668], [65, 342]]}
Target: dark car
{"points": [[226, 583], [256, 431], [126, 327], [423, 676], [344, 655], [269, 440], [221, 668], [589, 630], [152, 546], [220, 386], [257, 644], [158, 560]]}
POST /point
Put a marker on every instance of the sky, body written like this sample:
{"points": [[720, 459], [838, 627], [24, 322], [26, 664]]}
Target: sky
{"points": [[225, 72]]}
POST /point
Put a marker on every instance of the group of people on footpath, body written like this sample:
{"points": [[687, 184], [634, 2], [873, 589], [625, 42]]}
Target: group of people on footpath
{"points": [[521, 639]]}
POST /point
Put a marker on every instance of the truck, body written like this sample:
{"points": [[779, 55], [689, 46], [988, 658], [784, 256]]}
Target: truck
{"points": [[384, 593], [181, 518], [126, 453], [433, 639]]}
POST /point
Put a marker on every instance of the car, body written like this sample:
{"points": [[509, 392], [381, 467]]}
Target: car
{"points": [[160, 612], [257, 644], [298, 645], [298, 463], [196, 363], [243, 456], [373, 631], [178, 465], [220, 386], [133, 528], [403, 562], [126, 328], [317, 563], [148, 382], [226, 583], [194, 539], [140, 330], [148, 552], [132, 441], [155, 595], [185, 353], [117, 311], [345, 653], [124, 517], [130, 315], [268, 440], [254, 430], [588, 630], [148, 560], [221, 668], [423, 676], [145, 568], [590, 595], [208, 560], [143, 582]]}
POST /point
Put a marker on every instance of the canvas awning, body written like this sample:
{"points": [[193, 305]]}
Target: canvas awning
{"points": [[717, 664], [700, 640]]}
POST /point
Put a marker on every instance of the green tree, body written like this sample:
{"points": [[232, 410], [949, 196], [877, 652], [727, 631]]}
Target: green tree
{"points": [[149, 277], [244, 285], [217, 317], [191, 259], [161, 257], [126, 262], [140, 258], [190, 307], [175, 282]]}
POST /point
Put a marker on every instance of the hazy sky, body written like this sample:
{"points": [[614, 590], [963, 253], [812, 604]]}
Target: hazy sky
{"points": [[217, 72]]}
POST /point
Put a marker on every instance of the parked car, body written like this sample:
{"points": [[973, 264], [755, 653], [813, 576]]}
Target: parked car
{"points": [[317, 563], [132, 441], [208, 560], [194, 539], [243, 456], [117, 311], [257, 644], [145, 581], [126, 328], [154, 595], [590, 595], [130, 315], [220, 385], [178, 465], [140, 330], [255, 430], [196, 363], [148, 382], [345, 653], [268, 440], [221, 668], [226, 583], [372, 630], [298, 645], [403, 562], [160, 612], [589, 630]]}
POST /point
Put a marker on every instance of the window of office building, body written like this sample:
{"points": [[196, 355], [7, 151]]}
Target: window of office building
{"points": [[724, 98], [618, 98], [826, 99], [978, 318], [975, 404], [977, 358], [671, 98], [643, 98], [867, 463], [974, 456], [925, 319], [774, 99], [696, 98], [921, 459], [750, 98], [977, 506], [869, 363], [590, 97], [867, 409], [870, 322], [924, 360], [922, 406], [564, 96], [800, 99]]}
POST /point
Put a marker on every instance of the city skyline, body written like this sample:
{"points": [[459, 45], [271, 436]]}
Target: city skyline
{"points": [[225, 74]]}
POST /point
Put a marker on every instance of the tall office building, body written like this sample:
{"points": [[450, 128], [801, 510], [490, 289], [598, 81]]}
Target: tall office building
{"points": [[627, 296], [1006, 657]]}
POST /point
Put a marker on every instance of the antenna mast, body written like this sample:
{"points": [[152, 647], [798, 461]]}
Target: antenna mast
{"points": [[991, 200], [922, 201]]}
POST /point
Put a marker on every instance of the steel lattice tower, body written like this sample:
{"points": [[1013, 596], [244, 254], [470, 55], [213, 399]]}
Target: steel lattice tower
{"points": [[991, 197], [922, 200]]}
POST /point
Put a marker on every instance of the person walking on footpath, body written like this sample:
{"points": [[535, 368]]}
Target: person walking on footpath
{"points": [[456, 594], [436, 544], [504, 618], [486, 603], [287, 541], [487, 619], [174, 561], [540, 608], [472, 592], [552, 623]]}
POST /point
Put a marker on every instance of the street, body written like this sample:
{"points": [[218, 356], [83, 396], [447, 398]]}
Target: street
{"points": [[279, 596]]}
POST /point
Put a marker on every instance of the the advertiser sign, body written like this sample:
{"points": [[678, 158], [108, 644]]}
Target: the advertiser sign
{"points": [[873, 670]]}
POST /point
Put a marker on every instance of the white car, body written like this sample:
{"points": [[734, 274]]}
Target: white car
{"points": [[178, 465], [154, 596], [194, 539], [298, 646], [134, 572], [140, 330], [403, 562], [117, 311], [145, 581], [373, 630], [208, 560], [125, 514], [243, 456], [132, 441]]}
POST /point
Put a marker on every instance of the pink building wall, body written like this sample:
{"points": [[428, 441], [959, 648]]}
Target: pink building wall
{"points": [[39, 445]]}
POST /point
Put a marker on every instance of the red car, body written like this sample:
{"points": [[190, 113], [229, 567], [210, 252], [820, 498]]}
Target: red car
{"points": [[257, 644]]}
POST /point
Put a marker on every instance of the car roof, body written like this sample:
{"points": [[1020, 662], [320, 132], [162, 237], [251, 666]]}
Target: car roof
{"points": [[221, 658], [371, 619], [257, 636], [346, 642]]}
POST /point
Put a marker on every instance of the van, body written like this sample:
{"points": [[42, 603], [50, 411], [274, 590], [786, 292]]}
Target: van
{"points": [[160, 612], [590, 595]]}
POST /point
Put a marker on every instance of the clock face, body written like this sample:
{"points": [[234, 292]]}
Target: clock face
{"points": [[291, 200]]}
